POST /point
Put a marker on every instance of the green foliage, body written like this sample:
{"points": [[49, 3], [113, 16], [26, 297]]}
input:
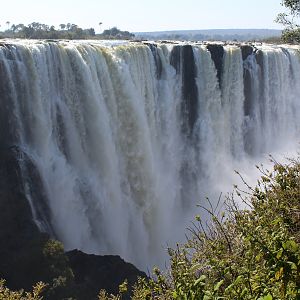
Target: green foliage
{"points": [[58, 274], [70, 31], [291, 33], [123, 288], [43, 259], [249, 253], [7, 294], [117, 33], [292, 5], [291, 36]]}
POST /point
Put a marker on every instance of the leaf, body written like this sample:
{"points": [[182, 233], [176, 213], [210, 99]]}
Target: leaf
{"points": [[238, 279], [195, 267], [292, 265], [290, 245], [258, 257], [293, 246], [279, 254], [200, 280], [218, 285], [268, 297], [279, 273], [197, 218]]}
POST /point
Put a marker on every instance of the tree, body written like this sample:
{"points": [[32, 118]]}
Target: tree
{"points": [[90, 31], [291, 33], [62, 26], [7, 23], [13, 28], [114, 33], [68, 26]]}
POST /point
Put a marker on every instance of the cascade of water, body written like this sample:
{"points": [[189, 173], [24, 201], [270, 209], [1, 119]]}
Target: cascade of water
{"points": [[125, 139]]}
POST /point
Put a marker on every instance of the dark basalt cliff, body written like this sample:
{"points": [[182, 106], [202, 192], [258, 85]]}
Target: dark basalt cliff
{"points": [[28, 256], [95, 272], [217, 54]]}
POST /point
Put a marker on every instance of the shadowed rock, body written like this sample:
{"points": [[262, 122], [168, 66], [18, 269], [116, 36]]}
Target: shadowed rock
{"points": [[17, 228], [217, 54], [259, 58], [189, 87], [175, 58], [158, 64], [182, 59], [288, 55], [246, 51], [95, 272]]}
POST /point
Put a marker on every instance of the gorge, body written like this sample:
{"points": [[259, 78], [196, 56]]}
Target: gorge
{"points": [[118, 141]]}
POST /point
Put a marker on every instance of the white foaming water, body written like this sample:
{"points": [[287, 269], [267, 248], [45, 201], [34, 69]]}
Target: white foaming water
{"points": [[128, 138]]}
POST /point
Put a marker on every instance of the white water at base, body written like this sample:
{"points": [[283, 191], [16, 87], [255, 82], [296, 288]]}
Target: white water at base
{"points": [[105, 132]]}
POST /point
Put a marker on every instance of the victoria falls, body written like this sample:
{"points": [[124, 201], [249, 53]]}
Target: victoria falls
{"points": [[125, 138], [159, 162]]}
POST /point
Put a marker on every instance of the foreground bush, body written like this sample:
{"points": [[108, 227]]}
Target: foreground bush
{"points": [[251, 253], [7, 294]]}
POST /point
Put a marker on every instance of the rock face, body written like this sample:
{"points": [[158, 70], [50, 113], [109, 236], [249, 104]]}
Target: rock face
{"points": [[158, 63], [246, 51], [182, 59], [217, 53], [17, 229], [28, 256], [189, 87], [94, 272]]}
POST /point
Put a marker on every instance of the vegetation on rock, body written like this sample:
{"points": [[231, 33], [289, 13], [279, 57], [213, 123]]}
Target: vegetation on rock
{"points": [[7, 294]]}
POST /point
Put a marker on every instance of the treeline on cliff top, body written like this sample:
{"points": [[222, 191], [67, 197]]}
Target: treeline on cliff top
{"points": [[69, 31], [36, 30]]}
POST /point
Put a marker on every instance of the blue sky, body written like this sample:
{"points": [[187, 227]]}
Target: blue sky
{"points": [[144, 15]]}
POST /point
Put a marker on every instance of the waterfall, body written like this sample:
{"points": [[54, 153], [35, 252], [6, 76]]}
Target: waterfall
{"points": [[122, 140]]}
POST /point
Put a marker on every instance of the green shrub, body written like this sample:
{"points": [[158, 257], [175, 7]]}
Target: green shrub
{"points": [[249, 253], [7, 294]]}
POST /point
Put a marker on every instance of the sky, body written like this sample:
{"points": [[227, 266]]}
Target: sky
{"points": [[144, 15]]}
